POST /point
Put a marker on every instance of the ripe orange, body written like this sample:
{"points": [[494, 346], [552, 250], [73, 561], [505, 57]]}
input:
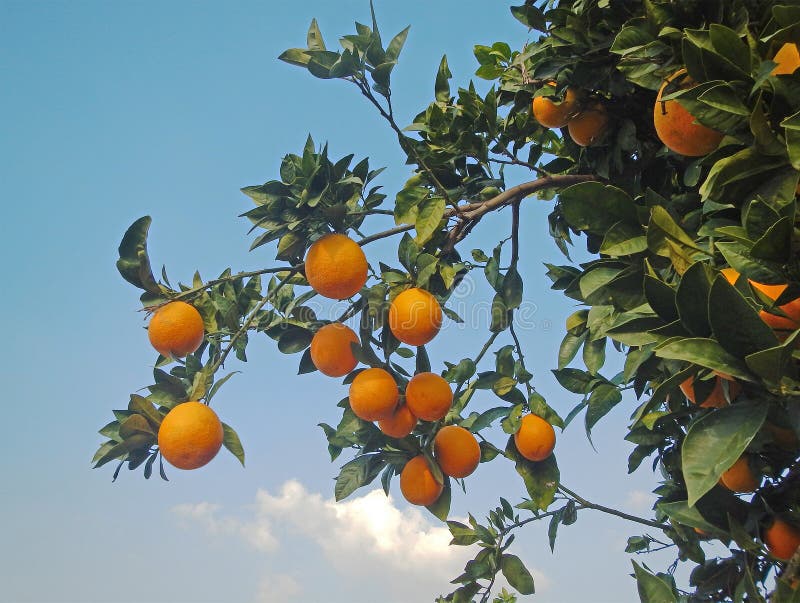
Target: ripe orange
{"points": [[190, 435], [330, 349], [716, 399], [782, 539], [417, 483], [675, 125], [400, 424], [336, 266], [535, 439], [428, 396], [415, 316], [374, 394], [456, 450], [782, 436], [790, 322], [176, 329], [552, 114], [740, 477], [787, 59], [589, 126]]}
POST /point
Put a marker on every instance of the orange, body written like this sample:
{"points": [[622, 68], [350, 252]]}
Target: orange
{"points": [[336, 266], [190, 435], [374, 394], [791, 321], [675, 125], [400, 424], [740, 477], [787, 59], [176, 329], [552, 114], [456, 450], [417, 483], [331, 350], [782, 436], [589, 126], [782, 539], [428, 396], [716, 399], [535, 439], [702, 533], [415, 316], [730, 275]]}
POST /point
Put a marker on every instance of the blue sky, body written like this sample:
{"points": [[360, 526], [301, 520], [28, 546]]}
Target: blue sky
{"points": [[116, 110]]}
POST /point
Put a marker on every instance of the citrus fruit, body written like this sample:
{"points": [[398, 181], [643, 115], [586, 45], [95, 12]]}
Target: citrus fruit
{"points": [[456, 450], [373, 394], [787, 59], [190, 435], [336, 266], [417, 483], [415, 316], [781, 324], [740, 477], [675, 125], [331, 350], [589, 126], [428, 396], [782, 436], [535, 439], [782, 539], [554, 114], [399, 424], [176, 329], [716, 398]]}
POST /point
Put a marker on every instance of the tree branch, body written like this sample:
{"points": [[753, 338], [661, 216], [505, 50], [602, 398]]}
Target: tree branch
{"points": [[590, 505]]}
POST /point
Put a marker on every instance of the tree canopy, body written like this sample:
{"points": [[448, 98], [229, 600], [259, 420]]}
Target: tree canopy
{"points": [[673, 156]]}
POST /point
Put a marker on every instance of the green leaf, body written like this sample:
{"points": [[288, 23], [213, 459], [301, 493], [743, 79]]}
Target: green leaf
{"points": [[441, 507], [652, 589], [314, 37], [663, 230], [517, 574], [144, 407], [691, 298], [569, 348], [356, 473], [512, 288], [430, 214], [714, 442], [529, 15], [603, 398], [661, 298], [703, 352], [294, 339], [442, 84], [133, 263], [541, 478], [396, 45], [295, 56], [594, 207], [232, 442], [735, 323]]}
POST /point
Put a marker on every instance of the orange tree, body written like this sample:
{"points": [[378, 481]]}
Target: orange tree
{"points": [[676, 164]]}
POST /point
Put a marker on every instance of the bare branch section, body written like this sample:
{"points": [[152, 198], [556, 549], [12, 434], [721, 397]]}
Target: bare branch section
{"points": [[470, 213]]}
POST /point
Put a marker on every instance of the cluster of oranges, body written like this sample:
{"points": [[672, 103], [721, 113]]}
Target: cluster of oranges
{"points": [[781, 537], [586, 118], [191, 434], [336, 267]]}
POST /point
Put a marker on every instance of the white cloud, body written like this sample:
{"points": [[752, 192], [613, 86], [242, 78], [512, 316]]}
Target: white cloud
{"points": [[278, 588], [389, 550], [639, 500]]}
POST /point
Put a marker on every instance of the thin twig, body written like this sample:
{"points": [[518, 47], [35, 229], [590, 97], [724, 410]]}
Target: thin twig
{"points": [[610, 511]]}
